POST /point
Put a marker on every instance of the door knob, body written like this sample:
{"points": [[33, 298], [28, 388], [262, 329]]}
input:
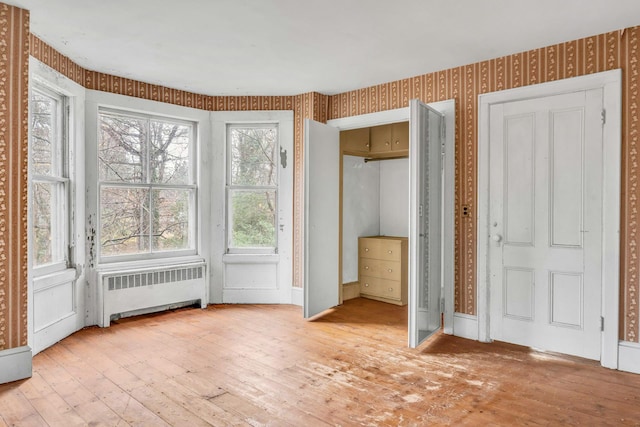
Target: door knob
{"points": [[496, 238]]}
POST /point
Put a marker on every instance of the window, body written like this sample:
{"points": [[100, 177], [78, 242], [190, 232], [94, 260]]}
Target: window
{"points": [[49, 180], [252, 187], [147, 185]]}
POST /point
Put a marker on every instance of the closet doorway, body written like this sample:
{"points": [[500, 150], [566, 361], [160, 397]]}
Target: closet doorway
{"points": [[391, 180]]}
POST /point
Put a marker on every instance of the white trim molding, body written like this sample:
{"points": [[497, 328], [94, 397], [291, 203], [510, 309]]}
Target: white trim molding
{"points": [[629, 357], [297, 296], [15, 364], [610, 82], [465, 326]]}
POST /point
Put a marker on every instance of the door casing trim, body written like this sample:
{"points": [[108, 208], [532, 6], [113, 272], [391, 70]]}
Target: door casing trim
{"points": [[611, 83]]}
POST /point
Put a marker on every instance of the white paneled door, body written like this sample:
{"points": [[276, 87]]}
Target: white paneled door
{"points": [[321, 217], [545, 222]]}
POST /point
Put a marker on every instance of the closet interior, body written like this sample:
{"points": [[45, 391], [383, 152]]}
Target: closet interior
{"points": [[374, 212]]}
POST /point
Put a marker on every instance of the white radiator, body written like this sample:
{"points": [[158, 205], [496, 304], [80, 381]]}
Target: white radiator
{"points": [[128, 293]]}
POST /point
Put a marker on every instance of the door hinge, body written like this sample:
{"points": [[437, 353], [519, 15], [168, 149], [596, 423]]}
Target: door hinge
{"points": [[441, 305], [601, 324], [443, 131], [420, 210], [603, 115]]}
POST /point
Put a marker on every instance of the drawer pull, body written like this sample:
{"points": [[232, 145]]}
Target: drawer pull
{"points": [[390, 271], [390, 252], [386, 143], [390, 289], [366, 267], [366, 285], [366, 249]]}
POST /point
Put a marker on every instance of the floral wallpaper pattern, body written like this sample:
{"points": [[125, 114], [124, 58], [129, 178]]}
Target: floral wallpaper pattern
{"points": [[14, 116]]}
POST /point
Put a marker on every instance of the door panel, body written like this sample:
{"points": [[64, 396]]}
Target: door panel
{"points": [[566, 192], [519, 180], [321, 223], [518, 293], [545, 187], [425, 229]]}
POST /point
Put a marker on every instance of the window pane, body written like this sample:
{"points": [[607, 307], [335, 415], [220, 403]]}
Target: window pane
{"points": [[121, 149], [170, 152], [44, 111], [124, 221], [48, 229], [171, 219], [253, 216], [42, 224], [253, 156]]}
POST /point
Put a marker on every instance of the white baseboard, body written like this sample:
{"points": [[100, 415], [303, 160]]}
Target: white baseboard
{"points": [[465, 326], [297, 296], [15, 364], [629, 357]]}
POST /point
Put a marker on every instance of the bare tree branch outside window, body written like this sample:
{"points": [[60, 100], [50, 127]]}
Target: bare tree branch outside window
{"points": [[47, 178], [147, 189]]}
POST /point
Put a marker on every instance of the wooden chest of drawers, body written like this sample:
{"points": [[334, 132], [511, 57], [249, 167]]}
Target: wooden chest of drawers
{"points": [[382, 268]]}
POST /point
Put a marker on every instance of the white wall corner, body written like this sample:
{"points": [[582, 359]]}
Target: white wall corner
{"points": [[629, 357], [465, 326], [15, 364], [297, 296]]}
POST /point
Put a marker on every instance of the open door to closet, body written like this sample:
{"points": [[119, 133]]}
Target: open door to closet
{"points": [[321, 217], [425, 221]]}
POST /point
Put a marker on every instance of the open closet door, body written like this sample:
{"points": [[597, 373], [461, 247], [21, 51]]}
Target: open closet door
{"points": [[321, 220], [425, 222]]}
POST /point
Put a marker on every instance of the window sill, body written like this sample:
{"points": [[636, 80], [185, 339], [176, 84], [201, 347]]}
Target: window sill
{"points": [[54, 279], [250, 258], [150, 263]]}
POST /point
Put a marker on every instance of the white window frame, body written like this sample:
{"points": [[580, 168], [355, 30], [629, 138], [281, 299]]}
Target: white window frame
{"points": [[61, 212], [232, 188], [192, 185]]}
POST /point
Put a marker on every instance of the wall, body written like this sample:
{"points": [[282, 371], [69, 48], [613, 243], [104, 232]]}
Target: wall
{"points": [[14, 114], [394, 197], [618, 49], [360, 210]]}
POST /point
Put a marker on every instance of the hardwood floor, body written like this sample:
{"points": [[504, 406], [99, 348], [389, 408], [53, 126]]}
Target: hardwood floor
{"points": [[265, 365]]}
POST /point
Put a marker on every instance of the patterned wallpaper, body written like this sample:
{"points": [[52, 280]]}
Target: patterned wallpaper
{"points": [[14, 115], [617, 49], [603, 52], [123, 86]]}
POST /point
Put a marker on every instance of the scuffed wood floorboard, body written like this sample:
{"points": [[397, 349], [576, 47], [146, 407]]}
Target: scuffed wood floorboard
{"points": [[265, 365]]}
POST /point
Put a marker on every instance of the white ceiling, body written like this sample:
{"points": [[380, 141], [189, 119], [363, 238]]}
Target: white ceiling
{"points": [[288, 47]]}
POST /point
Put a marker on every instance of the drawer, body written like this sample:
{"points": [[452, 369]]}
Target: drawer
{"points": [[385, 249], [380, 268], [376, 286]]}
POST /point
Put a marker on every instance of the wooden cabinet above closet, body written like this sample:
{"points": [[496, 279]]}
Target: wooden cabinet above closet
{"points": [[392, 138], [377, 142], [355, 142]]}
